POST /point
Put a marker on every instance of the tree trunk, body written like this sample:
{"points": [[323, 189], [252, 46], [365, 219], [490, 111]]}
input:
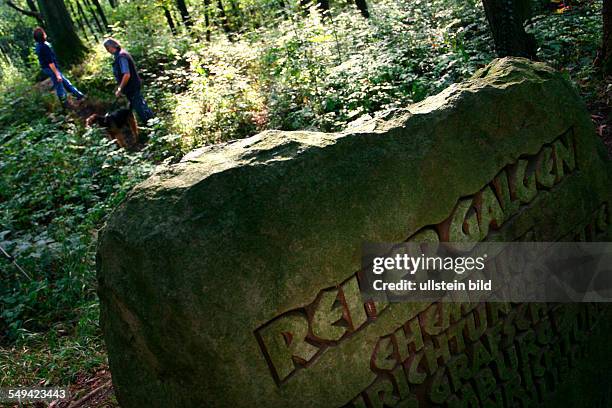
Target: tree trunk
{"points": [[89, 6], [607, 37], [304, 5], [101, 13], [223, 17], [113, 3], [238, 17], [169, 19], [362, 5], [323, 7], [84, 18], [68, 45], [79, 21], [180, 4], [32, 6], [207, 18], [506, 20]]}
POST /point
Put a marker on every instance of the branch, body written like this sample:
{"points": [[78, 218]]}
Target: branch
{"points": [[34, 14]]}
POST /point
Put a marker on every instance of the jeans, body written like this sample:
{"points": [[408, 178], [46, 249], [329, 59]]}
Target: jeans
{"points": [[138, 104], [62, 86]]}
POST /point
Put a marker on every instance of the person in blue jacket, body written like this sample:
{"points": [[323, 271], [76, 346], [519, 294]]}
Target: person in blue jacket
{"points": [[128, 80], [50, 66]]}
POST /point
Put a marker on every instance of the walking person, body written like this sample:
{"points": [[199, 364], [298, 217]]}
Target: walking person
{"points": [[50, 66], [126, 75]]}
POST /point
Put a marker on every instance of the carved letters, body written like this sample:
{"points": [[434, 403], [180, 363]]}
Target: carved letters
{"points": [[454, 353]]}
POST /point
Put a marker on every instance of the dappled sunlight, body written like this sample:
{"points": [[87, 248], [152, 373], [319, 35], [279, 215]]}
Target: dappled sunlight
{"points": [[11, 76], [223, 97]]}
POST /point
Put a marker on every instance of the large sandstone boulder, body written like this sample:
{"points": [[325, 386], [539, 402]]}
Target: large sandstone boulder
{"points": [[231, 279]]}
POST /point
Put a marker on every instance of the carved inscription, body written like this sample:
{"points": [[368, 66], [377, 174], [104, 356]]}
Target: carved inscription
{"points": [[293, 340], [513, 188], [427, 349], [500, 354]]}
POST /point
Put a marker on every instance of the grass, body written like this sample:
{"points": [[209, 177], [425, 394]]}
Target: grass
{"points": [[57, 356]]}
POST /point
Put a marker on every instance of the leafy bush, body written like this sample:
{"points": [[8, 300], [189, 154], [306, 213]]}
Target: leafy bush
{"points": [[302, 72], [407, 51], [223, 100], [57, 183]]}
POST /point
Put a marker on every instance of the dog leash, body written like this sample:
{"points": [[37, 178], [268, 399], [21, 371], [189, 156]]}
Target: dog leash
{"points": [[14, 262]]}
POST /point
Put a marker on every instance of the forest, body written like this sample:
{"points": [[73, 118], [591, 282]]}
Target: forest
{"points": [[215, 71]]}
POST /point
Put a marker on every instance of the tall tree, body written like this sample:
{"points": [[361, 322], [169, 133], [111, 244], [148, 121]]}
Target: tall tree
{"points": [[507, 22], [81, 13], [237, 14], [607, 37], [169, 19], [207, 12], [92, 12], [223, 18], [362, 5], [79, 21], [101, 13], [68, 45], [32, 7], [185, 16]]}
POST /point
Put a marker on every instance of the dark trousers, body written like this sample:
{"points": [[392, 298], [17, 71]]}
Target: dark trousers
{"points": [[62, 86], [138, 105]]}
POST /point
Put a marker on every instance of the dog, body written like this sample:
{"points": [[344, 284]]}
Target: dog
{"points": [[121, 126]]}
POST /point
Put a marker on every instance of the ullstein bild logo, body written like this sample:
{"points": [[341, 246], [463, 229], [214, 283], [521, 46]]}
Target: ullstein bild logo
{"points": [[493, 272]]}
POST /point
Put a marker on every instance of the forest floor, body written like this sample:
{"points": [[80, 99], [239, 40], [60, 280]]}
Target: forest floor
{"points": [[96, 391]]}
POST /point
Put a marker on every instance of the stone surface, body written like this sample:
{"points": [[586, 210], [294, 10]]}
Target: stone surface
{"points": [[230, 280]]}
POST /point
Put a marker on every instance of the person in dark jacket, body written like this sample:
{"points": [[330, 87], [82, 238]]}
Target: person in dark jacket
{"points": [[50, 66], [126, 75]]}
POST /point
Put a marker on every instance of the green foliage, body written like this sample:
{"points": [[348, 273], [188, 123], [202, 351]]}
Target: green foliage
{"points": [[56, 185], [18, 101], [303, 71], [58, 355], [15, 38], [570, 40], [223, 100], [407, 51]]}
